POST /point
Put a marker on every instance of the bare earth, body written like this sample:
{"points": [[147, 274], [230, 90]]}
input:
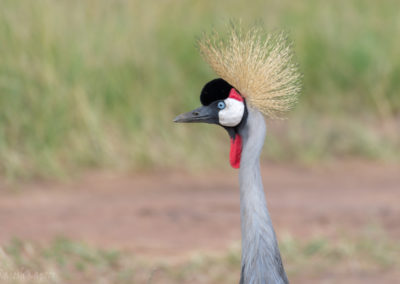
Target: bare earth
{"points": [[172, 214]]}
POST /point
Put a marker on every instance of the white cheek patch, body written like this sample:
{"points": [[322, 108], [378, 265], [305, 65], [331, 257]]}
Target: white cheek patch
{"points": [[232, 114]]}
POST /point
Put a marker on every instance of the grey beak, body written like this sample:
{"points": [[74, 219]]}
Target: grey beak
{"points": [[201, 114]]}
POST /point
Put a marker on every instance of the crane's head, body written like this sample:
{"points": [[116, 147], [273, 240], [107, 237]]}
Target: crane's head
{"points": [[256, 68], [222, 104]]}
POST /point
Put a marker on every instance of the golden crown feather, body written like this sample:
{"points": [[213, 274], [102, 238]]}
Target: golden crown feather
{"points": [[258, 64]]}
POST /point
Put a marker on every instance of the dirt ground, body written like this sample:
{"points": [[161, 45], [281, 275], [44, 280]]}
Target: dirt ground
{"points": [[170, 214]]}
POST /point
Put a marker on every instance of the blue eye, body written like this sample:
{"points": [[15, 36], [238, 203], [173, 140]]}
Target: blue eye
{"points": [[221, 105]]}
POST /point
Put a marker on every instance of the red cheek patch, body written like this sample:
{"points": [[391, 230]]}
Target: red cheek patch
{"points": [[236, 151], [233, 94], [236, 142]]}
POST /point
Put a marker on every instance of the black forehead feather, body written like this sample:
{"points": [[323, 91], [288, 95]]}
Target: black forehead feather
{"points": [[217, 89]]}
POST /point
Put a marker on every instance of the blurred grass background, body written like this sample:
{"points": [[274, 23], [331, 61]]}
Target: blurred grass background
{"points": [[96, 84], [317, 260]]}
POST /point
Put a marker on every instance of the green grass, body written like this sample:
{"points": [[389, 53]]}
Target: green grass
{"points": [[66, 261], [86, 84]]}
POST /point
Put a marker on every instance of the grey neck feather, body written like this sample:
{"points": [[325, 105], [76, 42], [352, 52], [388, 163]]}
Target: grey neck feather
{"points": [[261, 259]]}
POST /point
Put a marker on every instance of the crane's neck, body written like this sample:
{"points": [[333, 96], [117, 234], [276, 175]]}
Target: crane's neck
{"points": [[261, 259]]}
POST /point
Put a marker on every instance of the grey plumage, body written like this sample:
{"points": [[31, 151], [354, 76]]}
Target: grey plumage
{"points": [[261, 259]]}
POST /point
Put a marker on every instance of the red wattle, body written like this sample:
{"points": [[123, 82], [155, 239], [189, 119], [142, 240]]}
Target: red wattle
{"points": [[236, 151]]}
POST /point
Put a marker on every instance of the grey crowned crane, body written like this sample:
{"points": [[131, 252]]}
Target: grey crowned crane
{"points": [[257, 77]]}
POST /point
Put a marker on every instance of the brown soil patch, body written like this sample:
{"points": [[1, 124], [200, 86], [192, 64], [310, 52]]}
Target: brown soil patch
{"points": [[173, 213]]}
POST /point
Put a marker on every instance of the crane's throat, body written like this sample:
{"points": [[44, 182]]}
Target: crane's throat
{"points": [[236, 151]]}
